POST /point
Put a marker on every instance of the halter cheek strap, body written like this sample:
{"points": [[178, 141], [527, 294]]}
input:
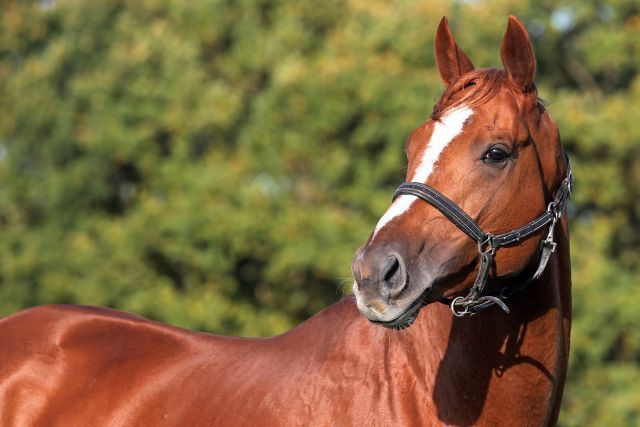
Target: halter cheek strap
{"points": [[478, 299]]}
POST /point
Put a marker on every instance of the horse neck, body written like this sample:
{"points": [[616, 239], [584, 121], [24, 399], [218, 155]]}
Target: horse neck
{"points": [[493, 367]]}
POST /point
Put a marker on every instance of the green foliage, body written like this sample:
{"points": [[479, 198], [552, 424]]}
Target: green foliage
{"points": [[215, 164]]}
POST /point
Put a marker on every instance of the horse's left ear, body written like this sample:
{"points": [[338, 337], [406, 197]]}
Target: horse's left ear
{"points": [[517, 54]]}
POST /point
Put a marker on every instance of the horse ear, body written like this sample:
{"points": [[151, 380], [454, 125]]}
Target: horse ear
{"points": [[517, 54], [452, 61]]}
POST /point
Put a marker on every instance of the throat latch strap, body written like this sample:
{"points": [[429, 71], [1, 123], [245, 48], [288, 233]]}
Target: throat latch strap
{"points": [[478, 299]]}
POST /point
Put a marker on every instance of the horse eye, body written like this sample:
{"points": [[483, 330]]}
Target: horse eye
{"points": [[496, 155]]}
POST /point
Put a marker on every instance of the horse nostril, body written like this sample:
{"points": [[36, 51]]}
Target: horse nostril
{"points": [[394, 275], [392, 268]]}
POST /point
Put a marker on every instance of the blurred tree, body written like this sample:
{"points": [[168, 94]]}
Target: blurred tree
{"points": [[215, 164]]}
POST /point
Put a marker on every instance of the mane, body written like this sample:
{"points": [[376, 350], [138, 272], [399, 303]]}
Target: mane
{"points": [[473, 89]]}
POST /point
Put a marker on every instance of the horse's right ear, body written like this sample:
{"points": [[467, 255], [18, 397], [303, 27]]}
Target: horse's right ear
{"points": [[452, 61]]}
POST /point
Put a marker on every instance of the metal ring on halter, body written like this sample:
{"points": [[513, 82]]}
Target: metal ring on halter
{"points": [[453, 307]]}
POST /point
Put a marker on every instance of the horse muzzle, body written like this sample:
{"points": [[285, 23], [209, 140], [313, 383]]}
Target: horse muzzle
{"points": [[381, 285]]}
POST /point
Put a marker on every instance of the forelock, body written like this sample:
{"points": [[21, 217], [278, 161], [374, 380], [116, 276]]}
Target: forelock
{"points": [[473, 89]]}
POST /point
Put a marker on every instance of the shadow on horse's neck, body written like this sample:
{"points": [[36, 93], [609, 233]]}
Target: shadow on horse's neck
{"points": [[486, 347]]}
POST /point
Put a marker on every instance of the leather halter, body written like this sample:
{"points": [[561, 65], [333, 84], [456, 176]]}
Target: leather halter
{"points": [[478, 299]]}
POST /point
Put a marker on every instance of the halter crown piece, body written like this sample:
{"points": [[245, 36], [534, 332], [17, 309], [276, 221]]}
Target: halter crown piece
{"points": [[478, 299]]}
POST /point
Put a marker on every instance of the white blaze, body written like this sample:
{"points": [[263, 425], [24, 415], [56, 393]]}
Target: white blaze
{"points": [[444, 131]]}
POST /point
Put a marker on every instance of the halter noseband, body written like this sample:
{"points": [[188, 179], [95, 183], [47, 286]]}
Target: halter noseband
{"points": [[478, 299]]}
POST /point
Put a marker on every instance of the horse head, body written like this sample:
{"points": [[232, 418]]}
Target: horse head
{"points": [[489, 149]]}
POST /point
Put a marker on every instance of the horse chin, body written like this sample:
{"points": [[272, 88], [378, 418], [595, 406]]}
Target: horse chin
{"points": [[408, 315], [403, 322]]}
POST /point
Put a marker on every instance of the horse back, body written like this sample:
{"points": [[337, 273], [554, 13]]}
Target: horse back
{"points": [[77, 366], [71, 365]]}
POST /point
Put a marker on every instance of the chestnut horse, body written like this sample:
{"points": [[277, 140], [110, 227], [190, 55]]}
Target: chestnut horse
{"points": [[490, 158]]}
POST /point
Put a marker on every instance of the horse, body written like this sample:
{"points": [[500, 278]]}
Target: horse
{"points": [[448, 324]]}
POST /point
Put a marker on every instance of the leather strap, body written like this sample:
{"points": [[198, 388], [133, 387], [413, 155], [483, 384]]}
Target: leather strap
{"points": [[463, 221], [444, 205]]}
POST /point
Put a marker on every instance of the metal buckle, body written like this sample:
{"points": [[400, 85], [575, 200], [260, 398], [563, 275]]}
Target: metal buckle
{"points": [[548, 241], [490, 248], [550, 244]]}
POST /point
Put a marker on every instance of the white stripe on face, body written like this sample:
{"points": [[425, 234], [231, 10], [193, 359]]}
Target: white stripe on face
{"points": [[444, 131]]}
